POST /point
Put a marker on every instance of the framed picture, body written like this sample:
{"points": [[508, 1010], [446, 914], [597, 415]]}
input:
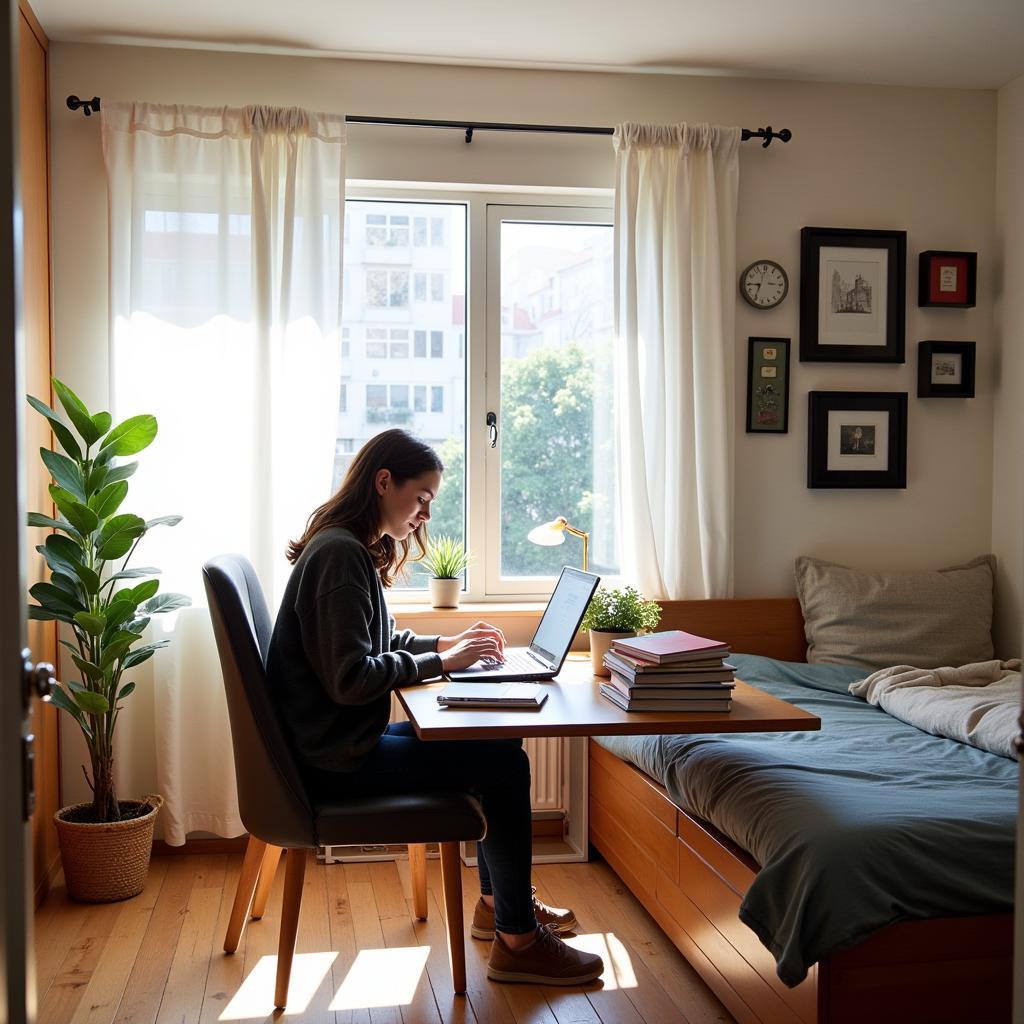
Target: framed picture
{"points": [[945, 369], [768, 386], [853, 286], [857, 439], [947, 279]]}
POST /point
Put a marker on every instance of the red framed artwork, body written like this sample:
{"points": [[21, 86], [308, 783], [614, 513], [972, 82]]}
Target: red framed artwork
{"points": [[947, 279]]}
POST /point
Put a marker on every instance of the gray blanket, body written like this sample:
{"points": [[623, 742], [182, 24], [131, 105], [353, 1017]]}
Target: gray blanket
{"points": [[862, 824]]}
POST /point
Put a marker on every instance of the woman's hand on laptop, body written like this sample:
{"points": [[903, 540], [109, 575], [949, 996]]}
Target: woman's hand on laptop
{"points": [[479, 630], [469, 651]]}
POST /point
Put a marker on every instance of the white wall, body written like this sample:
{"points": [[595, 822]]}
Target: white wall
{"points": [[862, 156]]}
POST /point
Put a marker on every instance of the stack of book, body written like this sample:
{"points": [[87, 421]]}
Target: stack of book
{"points": [[669, 671]]}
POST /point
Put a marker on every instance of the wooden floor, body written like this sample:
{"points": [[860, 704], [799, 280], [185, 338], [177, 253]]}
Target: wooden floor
{"points": [[360, 956]]}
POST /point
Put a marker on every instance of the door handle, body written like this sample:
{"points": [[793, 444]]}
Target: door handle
{"points": [[37, 680]]}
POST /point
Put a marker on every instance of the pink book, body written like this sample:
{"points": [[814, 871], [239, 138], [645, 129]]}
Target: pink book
{"points": [[671, 645]]}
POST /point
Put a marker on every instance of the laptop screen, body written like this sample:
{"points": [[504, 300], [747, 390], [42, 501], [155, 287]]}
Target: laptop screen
{"points": [[563, 614]]}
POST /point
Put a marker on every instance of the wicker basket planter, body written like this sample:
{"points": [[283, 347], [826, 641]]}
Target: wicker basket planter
{"points": [[108, 861]]}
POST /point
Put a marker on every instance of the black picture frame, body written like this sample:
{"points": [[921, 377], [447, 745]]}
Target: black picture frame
{"points": [[940, 359], [947, 279], [767, 386], [877, 427], [873, 334]]}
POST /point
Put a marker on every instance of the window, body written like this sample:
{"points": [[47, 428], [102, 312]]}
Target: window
{"points": [[343, 398], [541, 352], [387, 288], [387, 229], [382, 343]]}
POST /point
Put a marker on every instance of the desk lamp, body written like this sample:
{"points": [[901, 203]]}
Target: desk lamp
{"points": [[550, 534]]}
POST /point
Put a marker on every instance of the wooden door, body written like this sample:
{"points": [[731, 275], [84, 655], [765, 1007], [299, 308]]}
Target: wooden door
{"points": [[42, 636]]}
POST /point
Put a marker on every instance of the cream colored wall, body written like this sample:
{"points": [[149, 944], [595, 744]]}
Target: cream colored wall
{"points": [[1008, 412], [862, 156]]}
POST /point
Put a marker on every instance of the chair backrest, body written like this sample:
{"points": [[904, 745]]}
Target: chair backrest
{"points": [[272, 797]]}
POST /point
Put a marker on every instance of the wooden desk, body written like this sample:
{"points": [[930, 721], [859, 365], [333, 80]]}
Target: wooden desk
{"points": [[575, 707]]}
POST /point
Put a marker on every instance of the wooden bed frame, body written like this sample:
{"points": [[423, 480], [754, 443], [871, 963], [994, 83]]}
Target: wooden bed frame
{"points": [[691, 879]]}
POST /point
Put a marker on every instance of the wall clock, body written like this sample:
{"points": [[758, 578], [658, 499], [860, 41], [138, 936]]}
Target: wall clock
{"points": [[764, 284]]}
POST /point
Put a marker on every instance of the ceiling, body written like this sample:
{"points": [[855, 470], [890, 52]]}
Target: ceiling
{"points": [[976, 44]]}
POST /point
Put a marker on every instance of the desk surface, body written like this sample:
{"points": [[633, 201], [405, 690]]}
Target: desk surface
{"points": [[575, 707]]}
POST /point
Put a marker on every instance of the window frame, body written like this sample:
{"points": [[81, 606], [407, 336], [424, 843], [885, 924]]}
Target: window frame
{"points": [[485, 206]]}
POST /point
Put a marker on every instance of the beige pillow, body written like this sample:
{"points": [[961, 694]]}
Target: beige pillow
{"points": [[877, 619]]}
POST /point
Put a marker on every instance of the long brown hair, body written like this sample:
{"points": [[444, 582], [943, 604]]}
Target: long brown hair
{"points": [[356, 505]]}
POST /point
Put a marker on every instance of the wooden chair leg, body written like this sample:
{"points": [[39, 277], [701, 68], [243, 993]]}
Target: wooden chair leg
{"points": [[294, 874], [268, 871], [451, 878], [243, 894], [418, 877]]}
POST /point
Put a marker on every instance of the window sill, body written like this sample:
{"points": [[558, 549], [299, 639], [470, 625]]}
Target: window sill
{"points": [[468, 610]]}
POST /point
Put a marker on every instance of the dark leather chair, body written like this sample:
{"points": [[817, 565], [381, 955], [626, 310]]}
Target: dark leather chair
{"points": [[280, 813]]}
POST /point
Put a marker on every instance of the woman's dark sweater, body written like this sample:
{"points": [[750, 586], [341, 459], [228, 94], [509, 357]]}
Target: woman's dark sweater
{"points": [[334, 657]]}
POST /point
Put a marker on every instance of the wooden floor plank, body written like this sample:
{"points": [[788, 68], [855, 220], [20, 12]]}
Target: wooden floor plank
{"points": [[314, 940], [144, 991], [56, 925], [367, 929], [106, 986], [76, 969], [226, 972], [396, 925], [343, 938], [182, 1001]]}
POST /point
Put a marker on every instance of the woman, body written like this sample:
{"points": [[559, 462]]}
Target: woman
{"points": [[334, 660]]}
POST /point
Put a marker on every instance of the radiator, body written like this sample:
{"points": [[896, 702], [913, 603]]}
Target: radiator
{"points": [[548, 773]]}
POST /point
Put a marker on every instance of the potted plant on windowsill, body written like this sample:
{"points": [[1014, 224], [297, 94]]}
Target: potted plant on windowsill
{"points": [[615, 613], [105, 844], [446, 560]]}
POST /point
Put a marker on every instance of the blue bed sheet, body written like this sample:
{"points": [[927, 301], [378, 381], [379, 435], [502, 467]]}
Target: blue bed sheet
{"points": [[867, 822]]}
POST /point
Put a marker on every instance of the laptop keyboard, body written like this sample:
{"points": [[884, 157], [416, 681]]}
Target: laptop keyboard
{"points": [[516, 661]]}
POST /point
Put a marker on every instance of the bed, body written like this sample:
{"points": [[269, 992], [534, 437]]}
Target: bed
{"points": [[697, 882]]}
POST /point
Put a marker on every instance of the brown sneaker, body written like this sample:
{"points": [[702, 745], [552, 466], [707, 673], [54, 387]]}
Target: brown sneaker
{"points": [[562, 922], [545, 961]]}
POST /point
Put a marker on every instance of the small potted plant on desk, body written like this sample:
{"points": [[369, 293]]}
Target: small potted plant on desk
{"points": [[615, 613], [446, 560], [105, 606]]}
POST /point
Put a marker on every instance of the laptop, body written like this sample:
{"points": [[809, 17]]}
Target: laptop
{"points": [[544, 657]]}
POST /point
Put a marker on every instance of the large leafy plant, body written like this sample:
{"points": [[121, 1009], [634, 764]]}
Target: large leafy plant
{"points": [[91, 587]]}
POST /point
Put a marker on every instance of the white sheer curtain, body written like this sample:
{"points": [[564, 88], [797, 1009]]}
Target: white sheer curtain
{"points": [[226, 229], [675, 234]]}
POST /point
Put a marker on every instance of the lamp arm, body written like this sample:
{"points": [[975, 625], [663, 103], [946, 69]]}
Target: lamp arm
{"points": [[585, 537]]}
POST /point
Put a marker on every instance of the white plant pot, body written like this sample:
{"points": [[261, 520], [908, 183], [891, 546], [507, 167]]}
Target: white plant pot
{"points": [[445, 593], [600, 641]]}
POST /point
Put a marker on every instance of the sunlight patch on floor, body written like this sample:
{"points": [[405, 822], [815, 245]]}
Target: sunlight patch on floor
{"points": [[382, 977], [618, 967], [255, 998]]}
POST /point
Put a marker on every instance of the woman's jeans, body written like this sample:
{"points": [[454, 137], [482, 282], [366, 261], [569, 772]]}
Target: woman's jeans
{"points": [[495, 771]]}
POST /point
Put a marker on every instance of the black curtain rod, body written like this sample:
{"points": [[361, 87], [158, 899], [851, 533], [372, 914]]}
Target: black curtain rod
{"points": [[784, 135]]}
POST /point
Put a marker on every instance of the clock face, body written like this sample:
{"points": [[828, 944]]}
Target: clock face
{"points": [[764, 284]]}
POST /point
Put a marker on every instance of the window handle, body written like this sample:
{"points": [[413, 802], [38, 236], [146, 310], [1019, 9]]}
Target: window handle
{"points": [[492, 428]]}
